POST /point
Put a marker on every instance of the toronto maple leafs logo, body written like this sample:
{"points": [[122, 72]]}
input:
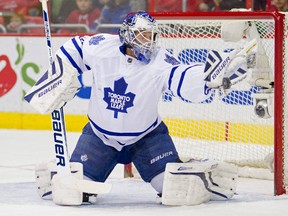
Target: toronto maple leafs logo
{"points": [[118, 100], [171, 60], [96, 39]]}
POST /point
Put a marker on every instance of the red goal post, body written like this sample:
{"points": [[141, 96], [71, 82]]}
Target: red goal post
{"points": [[228, 128]]}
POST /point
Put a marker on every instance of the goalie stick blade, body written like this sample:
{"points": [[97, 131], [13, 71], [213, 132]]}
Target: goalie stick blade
{"points": [[91, 187]]}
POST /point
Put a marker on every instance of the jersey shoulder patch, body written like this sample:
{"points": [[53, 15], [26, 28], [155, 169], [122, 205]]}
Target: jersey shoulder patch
{"points": [[171, 59], [95, 40], [167, 57]]}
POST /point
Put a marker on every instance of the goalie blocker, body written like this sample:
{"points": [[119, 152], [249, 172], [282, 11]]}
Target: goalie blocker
{"points": [[56, 87], [196, 182]]}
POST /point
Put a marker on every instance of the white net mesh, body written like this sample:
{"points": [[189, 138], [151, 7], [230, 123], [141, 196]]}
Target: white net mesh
{"points": [[221, 128]]}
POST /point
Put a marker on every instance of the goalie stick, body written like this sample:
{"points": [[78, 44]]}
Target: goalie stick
{"points": [[59, 130], [58, 121]]}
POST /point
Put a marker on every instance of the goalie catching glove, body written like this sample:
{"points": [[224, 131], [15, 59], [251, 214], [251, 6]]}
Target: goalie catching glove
{"points": [[229, 69], [55, 88], [196, 182]]}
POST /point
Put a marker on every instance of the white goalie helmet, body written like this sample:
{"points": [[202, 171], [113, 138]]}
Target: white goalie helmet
{"points": [[139, 32]]}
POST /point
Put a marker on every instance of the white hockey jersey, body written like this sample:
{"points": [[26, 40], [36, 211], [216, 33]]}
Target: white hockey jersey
{"points": [[125, 92]]}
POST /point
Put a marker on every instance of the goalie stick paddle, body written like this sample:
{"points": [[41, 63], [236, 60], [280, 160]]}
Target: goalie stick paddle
{"points": [[91, 187], [59, 130]]}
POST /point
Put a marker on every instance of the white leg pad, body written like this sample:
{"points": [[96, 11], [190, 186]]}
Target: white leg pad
{"points": [[64, 195], [196, 182], [63, 187], [181, 189]]}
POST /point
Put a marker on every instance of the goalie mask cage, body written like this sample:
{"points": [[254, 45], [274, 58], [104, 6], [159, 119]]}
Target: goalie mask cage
{"points": [[227, 128]]}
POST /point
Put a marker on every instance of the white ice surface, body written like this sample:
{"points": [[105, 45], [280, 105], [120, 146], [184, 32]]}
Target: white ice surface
{"points": [[20, 150]]}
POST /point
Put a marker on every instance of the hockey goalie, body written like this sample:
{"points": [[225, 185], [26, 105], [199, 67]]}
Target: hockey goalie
{"points": [[130, 73]]}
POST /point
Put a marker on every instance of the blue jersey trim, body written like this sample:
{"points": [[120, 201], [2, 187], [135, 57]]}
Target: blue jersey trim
{"points": [[181, 82], [171, 77], [71, 60], [88, 67], [111, 133], [77, 47], [80, 51], [122, 49]]}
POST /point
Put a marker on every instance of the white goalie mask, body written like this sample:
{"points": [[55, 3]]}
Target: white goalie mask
{"points": [[139, 32]]}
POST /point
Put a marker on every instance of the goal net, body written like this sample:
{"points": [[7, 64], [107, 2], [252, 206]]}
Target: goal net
{"points": [[227, 128]]}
